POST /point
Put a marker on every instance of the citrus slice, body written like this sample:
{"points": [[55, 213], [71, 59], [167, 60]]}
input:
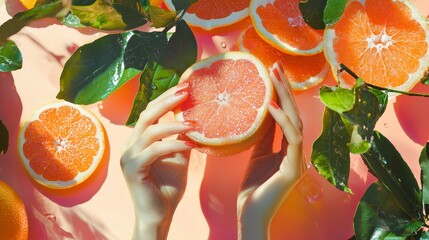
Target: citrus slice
{"points": [[228, 98], [61, 144], [281, 24], [303, 72], [28, 4], [384, 42], [13, 216], [211, 14]]}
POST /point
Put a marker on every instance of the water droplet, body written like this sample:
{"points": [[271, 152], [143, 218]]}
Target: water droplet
{"points": [[310, 189], [386, 125], [153, 86], [347, 199], [50, 216], [223, 44], [308, 164]]}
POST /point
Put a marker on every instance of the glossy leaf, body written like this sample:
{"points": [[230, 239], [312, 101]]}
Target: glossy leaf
{"points": [[22, 19], [424, 174], [72, 20], [337, 99], [320, 14], [424, 236], [4, 138], [99, 14], [154, 81], [130, 16], [330, 154], [333, 11], [393, 172], [161, 17], [181, 51], [312, 12], [378, 216], [10, 56], [363, 117], [182, 4], [97, 69]]}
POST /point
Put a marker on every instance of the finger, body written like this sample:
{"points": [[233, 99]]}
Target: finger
{"points": [[292, 134], [160, 131], [284, 93], [159, 107], [157, 149]]}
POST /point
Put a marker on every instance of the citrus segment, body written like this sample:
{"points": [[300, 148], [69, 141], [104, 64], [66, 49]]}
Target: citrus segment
{"points": [[303, 72], [384, 42], [13, 215], [281, 24], [228, 98], [61, 144], [211, 14], [28, 4]]}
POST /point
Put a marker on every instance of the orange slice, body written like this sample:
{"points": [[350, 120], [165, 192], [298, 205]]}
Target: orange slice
{"points": [[228, 98], [384, 42], [13, 215], [280, 23], [303, 72], [61, 144], [211, 14]]}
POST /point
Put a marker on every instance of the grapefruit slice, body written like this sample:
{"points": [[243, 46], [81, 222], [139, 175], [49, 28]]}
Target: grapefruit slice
{"points": [[303, 72], [228, 98], [384, 42], [281, 24], [211, 14], [61, 144]]}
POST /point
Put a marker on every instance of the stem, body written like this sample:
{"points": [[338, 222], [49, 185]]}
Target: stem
{"points": [[179, 18], [349, 71]]}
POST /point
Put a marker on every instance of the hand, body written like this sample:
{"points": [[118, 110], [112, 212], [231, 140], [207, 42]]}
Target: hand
{"points": [[270, 177], [155, 168]]}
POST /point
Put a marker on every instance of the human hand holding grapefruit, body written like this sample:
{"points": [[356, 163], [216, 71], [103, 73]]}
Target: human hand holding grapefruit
{"points": [[155, 168], [270, 176]]}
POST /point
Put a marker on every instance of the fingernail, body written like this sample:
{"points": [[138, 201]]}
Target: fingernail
{"points": [[191, 144], [276, 73], [190, 123], [281, 67], [274, 104], [181, 92]]}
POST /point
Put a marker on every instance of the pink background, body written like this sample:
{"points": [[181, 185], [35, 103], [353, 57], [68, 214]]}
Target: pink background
{"points": [[101, 207]]}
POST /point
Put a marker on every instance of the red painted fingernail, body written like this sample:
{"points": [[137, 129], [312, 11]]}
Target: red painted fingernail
{"points": [[190, 123], [181, 92], [281, 67], [274, 104], [276, 73], [191, 144]]}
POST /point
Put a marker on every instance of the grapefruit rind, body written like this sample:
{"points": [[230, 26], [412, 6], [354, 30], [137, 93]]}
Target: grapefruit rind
{"points": [[82, 176], [332, 58], [236, 143], [273, 39], [297, 86], [193, 20]]}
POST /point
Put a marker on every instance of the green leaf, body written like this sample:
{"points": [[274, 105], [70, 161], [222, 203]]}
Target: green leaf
{"points": [[97, 69], [337, 99], [99, 14], [161, 17], [183, 4], [392, 171], [330, 154], [72, 21], [363, 117], [378, 216], [22, 19], [333, 11], [130, 16], [154, 81], [424, 236], [312, 12], [4, 138], [424, 171], [10, 56], [181, 51]]}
